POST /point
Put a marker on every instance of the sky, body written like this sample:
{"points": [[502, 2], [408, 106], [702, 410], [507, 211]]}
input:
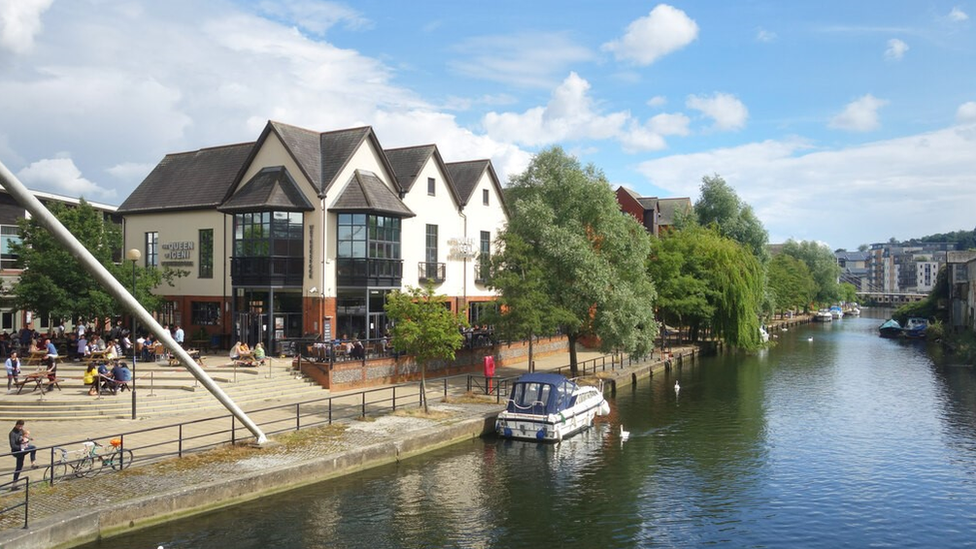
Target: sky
{"points": [[843, 122]]}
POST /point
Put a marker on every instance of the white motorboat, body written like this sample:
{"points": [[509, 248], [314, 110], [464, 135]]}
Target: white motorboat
{"points": [[549, 407], [823, 315]]}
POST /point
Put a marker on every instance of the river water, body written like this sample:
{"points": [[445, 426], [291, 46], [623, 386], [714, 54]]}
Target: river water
{"points": [[834, 437]]}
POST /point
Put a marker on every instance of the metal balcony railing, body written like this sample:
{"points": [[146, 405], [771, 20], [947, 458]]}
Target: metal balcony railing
{"points": [[432, 272]]}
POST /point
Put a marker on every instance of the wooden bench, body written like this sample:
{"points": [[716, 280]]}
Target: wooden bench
{"points": [[40, 381], [194, 354]]}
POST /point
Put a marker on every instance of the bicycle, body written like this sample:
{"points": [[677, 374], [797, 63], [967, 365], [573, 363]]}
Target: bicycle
{"points": [[82, 466], [119, 458]]}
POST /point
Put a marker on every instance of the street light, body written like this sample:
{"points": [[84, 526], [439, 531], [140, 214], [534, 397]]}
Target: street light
{"points": [[133, 255]]}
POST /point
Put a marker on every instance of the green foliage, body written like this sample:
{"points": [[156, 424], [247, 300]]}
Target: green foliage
{"points": [[719, 204], [572, 256], [848, 292], [822, 264], [425, 327], [790, 282], [705, 279], [53, 282]]}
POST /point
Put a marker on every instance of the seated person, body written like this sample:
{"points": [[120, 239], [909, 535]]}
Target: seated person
{"points": [[91, 379], [122, 375], [259, 353], [235, 351]]}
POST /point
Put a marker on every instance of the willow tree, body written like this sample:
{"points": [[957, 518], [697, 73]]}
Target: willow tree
{"points": [[424, 327], [576, 259], [706, 279]]}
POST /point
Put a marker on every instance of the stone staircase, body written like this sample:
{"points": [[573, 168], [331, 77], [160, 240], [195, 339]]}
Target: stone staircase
{"points": [[162, 391]]}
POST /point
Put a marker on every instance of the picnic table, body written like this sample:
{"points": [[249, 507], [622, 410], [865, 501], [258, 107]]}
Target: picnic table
{"points": [[96, 357], [194, 354], [36, 358], [39, 380]]}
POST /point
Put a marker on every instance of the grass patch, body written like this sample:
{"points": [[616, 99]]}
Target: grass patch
{"points": [[315, 435], [223, 454], [419, 413]]}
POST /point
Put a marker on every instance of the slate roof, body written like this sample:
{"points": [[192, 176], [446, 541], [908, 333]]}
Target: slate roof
{"points": [[408, 162], [190, 180], [466, 176], [668, 207], [322, 156], [271, 189], [365, 192]]}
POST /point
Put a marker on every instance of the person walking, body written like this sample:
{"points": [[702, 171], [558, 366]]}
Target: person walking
{"points": [[20, 446], [52, 364], [13, 369]]}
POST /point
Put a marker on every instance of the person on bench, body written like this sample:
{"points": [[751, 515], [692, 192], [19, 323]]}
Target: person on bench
{"points": [[259, 353], [52, 364], [122, 376]]}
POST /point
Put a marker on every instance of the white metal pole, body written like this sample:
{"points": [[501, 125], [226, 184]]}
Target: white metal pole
{"points": [[105, 278]]}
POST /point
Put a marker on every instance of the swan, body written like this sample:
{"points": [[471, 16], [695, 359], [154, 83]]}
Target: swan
{"points": [[676, 386], [810, 338], [624, 435]]}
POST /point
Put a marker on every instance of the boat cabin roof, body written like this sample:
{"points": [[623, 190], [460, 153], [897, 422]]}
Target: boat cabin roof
{"points": [[539, 393]]}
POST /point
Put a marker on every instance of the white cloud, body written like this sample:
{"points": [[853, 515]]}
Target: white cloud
{"points": [[657, 101], [314, 16], [860, 115], [896, 50], [966, 114], [569, 115], [529, 59], [725, 109], [664, 30], [793, 186], [61, 176], [958, 15], [20, 21], [669, 124], [763, 35]]}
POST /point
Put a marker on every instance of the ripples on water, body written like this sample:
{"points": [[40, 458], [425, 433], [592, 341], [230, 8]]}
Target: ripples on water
{"points": [[848, 440]]}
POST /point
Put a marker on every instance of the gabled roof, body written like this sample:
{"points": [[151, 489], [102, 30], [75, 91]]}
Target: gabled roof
{"points": [[322, 156], [466, 176], [365, 192], [190, 180], [408, 162], [270, 189], [648, 202], [669, 206]]}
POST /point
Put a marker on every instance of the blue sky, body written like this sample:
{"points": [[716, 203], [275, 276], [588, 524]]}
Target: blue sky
{"points": [[842, 122]]}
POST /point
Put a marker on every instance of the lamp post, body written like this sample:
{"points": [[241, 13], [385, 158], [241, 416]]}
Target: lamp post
{"points": [[133, 255]]}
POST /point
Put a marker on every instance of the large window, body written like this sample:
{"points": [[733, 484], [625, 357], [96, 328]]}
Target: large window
{"points": [[205, 313], [431, 244], [375, 235], [268, 248], [206, 253], [9, 234], [152, 249], [484, 256]]}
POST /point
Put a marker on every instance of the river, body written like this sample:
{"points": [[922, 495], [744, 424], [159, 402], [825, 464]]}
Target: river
{"points": [[833, 437]]}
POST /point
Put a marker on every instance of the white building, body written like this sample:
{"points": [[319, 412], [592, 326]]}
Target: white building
{"points": [[304, 233]]}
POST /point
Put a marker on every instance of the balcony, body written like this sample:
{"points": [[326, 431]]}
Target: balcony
{"points": [[431, 272], [267, 271], [369, 272]]}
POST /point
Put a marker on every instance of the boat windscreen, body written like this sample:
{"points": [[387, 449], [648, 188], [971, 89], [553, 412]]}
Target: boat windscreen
{"points": [[530, 398]]}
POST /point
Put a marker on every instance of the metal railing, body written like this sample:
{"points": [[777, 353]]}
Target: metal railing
{"points": [[184, 438]]}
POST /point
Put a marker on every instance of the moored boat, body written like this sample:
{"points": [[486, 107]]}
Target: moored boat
{"points": [[836, 312], [890, 329], [915, 328], [823, 315], [549, 407]]}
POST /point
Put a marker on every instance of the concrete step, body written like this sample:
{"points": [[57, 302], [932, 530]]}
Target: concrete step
{"points": [[247, 390]]}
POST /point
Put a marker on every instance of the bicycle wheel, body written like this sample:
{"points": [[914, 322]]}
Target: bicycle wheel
{"points": [[56, 472], [121, 459], [86, 467]]}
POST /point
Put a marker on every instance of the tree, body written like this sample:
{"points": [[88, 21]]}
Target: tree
{"points": [[822, 264], [790, 282], [719, 204], [425, 327], [54, 284], [707, 280], [576, 257], [848, 292]]}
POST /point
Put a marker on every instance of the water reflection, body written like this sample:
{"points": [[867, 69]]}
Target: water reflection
{"points": [[847, 439]]}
